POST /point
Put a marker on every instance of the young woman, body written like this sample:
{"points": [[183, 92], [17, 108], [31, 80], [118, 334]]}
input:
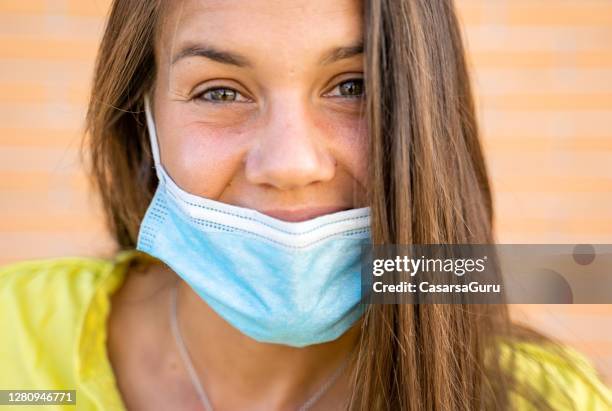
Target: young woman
{"points": [[247, 149]]}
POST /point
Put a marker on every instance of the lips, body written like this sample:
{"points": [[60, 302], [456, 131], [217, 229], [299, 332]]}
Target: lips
{"points": [[303, 214]]}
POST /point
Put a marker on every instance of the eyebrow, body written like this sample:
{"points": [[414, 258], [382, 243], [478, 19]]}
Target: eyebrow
{"points": [[238, 60], [211, 53], [341, 53]]}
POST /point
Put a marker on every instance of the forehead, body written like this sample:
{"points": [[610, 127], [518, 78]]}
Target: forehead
{"points": [[288, 28]]}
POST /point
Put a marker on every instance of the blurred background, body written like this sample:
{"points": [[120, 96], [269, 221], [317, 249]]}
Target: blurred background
{"points": [[542, 73]]}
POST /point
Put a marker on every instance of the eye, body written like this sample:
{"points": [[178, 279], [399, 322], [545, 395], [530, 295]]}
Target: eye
{"points": [[221, 95], [353, 88]]}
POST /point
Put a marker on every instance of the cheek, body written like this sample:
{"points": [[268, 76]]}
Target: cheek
{"points": [[203, 160], [347, 137]]}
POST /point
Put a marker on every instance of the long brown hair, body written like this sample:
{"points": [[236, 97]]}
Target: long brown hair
{"points": [[428, 185]]}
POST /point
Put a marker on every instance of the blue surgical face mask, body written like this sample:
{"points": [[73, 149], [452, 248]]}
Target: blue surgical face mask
{"points": [[291, 283]]}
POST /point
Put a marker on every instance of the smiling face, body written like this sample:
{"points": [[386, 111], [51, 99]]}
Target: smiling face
{"points": [[259, 104]]}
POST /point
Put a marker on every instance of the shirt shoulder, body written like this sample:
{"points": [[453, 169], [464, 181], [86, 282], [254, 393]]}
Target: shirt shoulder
{"points": [[39, 293], [49, 282], [42, 302], [53, 309], [564, 377]]}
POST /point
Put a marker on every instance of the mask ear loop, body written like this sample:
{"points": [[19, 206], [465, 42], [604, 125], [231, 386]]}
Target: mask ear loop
{"points": [[159, 170]]}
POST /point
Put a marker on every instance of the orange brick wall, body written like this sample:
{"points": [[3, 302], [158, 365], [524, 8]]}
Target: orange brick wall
{"points": [[47, 51], [543, 79]]}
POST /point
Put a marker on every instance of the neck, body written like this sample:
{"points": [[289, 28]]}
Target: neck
{"points": [[238, 372]]}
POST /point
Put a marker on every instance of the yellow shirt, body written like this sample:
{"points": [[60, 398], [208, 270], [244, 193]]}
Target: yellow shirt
{"points": [[53, 319]]}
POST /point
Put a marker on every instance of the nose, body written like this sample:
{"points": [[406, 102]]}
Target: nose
{"points": [[290, 151]]}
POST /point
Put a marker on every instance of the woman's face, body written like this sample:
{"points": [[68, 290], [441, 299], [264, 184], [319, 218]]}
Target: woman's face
{"points": [[258, 104]]}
